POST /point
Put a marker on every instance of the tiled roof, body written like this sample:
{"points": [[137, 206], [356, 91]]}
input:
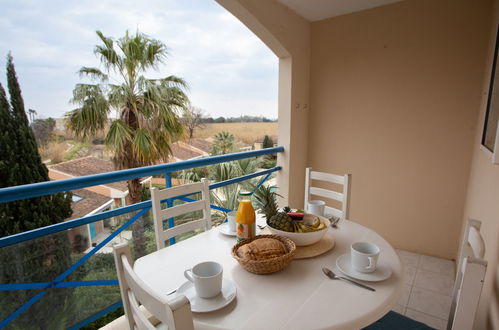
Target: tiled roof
{"points": [[183, 152], [90, 201], [88, 166], [201, 144]]}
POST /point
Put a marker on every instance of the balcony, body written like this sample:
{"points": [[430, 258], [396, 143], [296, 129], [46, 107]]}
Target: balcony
{"points": [[85, 281], [395, 95]]}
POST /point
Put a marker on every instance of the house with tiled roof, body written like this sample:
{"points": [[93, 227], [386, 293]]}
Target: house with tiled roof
{"points": [[203, 145], [192, 149], [85, 203], [90, 200], [88, 166]]}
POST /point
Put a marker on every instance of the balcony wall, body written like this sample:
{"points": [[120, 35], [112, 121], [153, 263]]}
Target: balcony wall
{"points": [[395, 94], [482, 200]]}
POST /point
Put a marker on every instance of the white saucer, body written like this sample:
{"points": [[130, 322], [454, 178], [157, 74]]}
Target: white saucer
{"points": [[203, 305], [381, 273], [224, 229]]}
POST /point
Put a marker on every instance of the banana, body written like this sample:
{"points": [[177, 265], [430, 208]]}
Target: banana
{"points": [[300, 227]]}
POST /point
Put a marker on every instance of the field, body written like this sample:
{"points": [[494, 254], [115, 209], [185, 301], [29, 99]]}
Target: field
{"points": [[245, 132]]}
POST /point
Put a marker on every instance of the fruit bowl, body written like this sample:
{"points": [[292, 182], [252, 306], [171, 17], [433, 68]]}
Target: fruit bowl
{"points": [[304, 239]]}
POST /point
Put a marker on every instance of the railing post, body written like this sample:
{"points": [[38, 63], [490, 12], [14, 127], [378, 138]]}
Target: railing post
{"points": [[169, 203]]}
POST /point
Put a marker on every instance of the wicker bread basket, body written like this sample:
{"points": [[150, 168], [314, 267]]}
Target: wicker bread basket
{"points": [[266, 266]]}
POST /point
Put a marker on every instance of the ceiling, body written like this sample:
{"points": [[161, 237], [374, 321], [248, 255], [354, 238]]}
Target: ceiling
{"points": [[315, 10]]}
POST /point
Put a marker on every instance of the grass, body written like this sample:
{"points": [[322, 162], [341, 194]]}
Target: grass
{"points": [[245, 132], [80, 149]]}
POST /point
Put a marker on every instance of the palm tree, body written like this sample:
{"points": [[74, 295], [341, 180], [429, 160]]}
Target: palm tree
{"points": [[224, 143], [147, 111], [228, 196]]}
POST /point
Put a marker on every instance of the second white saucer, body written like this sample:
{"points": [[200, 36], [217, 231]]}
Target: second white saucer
{"points": [[381, 273], [224, 229]]}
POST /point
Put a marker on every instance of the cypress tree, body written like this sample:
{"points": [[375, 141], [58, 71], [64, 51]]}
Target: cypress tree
{"points": [[38, 260], [267, 142]]}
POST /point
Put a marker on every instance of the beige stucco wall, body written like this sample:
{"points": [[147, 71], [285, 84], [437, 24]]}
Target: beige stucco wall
{"points": [[482, 200], [395, 93], [396, 96], [288, 36]]}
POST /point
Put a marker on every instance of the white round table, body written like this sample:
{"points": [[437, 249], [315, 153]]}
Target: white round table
{"points": [[300, 297]]}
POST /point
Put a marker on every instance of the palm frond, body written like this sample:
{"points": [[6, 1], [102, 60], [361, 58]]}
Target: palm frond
{"points": [[173, 81], [107, 54], [117, 95], [91, 116], [93, 73], [119, 134], [142, 145]]}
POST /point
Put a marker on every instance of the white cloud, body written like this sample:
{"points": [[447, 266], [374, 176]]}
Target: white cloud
{"points": [[229, 70]]}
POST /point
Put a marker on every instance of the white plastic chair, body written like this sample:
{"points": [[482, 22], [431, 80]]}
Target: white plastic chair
{"points": [[469, 278], [342, 197], [467, 288], [136, 295], [493, 313], [160, 214]]}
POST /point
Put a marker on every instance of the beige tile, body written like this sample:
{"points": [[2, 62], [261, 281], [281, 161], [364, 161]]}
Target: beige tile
{"points": [[429, 320], [409, 258], [409, 274], [437, 265], [404, 299], [430, 302], [399, 309], [434, 281]]}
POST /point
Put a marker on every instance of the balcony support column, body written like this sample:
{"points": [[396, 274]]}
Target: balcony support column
{"points": [[288, 36]]}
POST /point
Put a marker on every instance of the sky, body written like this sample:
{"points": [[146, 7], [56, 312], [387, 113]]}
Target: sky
{"points": [[229, 70]]}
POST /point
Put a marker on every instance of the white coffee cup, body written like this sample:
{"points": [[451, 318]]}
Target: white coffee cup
{"points": [[316, 207], [364, 257], [206, 277], [231, 219]]}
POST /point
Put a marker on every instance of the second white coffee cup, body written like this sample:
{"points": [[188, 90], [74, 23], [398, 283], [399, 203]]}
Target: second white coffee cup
{"points": [[206, 277], [316, 207], [364, 257]]}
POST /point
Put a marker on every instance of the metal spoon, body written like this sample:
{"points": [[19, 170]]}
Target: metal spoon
{"points": [[329, 273], [335, 221], [171, 292]]}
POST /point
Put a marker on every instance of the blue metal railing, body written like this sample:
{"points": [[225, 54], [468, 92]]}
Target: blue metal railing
{"points": [[45, 188]]}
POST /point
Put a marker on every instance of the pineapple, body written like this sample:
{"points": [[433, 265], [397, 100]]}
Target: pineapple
{"points": [[266, 201]]}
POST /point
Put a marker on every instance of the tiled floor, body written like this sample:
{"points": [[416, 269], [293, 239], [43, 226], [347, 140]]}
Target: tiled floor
{"points": [[428, 289]]}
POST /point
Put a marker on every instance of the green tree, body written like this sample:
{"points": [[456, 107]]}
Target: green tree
{"points": [[43, 128], [267, 142], [227, 196], [148, 110], [225, 143], [39, 260]]}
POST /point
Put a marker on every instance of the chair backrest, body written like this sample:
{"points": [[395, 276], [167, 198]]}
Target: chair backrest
{"points": [[493, 313], [469, 278], [176, 313], [342, 197], [160, 214]]}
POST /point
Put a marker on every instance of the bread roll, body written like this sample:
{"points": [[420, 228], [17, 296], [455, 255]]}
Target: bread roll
{"points": [[262, 248]]}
